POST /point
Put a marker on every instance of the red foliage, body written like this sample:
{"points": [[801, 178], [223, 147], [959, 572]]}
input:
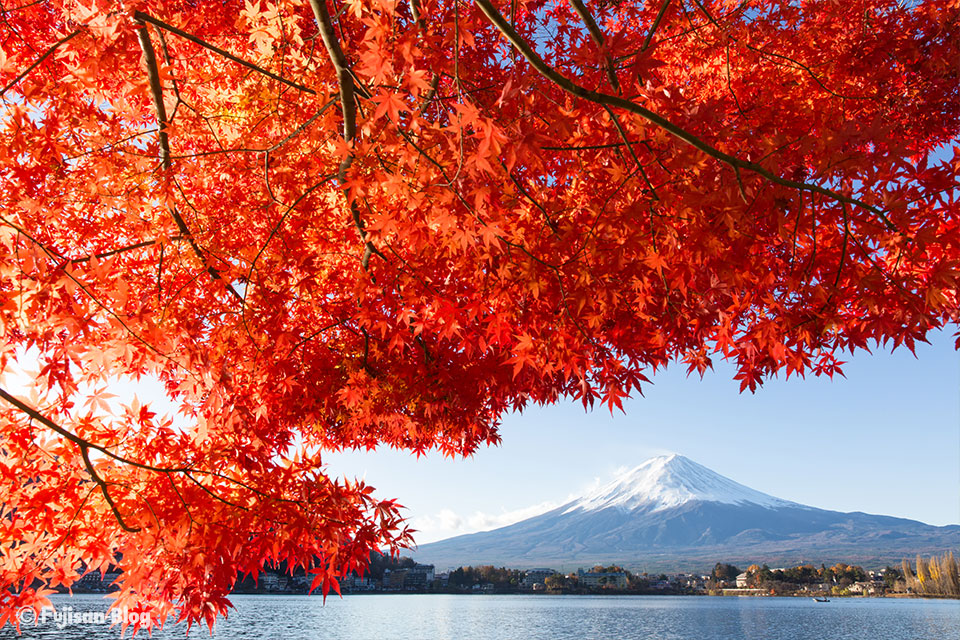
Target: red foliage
{"points": [[387, 223]]}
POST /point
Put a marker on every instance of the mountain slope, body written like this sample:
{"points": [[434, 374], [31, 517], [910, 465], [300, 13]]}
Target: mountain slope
{"points": [[672, 513]]}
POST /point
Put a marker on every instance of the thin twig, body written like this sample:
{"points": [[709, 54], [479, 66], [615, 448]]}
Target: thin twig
{"points": [[59, 258], [143, 17], [526, 194], [623, 136], [113, 252], [277, 226], [587, 147], [713, 20], [84, 451], [39, 60]]}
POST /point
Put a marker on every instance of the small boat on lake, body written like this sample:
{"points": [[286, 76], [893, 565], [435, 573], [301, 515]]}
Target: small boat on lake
{"points": [[815, 599]]}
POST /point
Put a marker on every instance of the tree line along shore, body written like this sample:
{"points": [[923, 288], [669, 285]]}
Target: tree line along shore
{"points": [[936, 576]]}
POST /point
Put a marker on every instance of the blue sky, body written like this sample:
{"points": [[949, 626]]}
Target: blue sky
{"points": [[885, 439]]}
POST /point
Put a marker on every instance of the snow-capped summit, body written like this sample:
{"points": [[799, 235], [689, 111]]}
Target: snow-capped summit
{"points": [[669, 481]]}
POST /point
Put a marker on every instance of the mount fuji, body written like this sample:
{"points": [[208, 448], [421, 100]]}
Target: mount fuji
{"points": [[671, 513]]}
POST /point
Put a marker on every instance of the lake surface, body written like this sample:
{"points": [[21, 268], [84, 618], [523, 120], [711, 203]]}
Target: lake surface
{"points": [[509, 617]]}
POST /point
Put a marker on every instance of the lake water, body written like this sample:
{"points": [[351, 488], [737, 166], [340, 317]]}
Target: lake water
{"points": [[508, 617]]}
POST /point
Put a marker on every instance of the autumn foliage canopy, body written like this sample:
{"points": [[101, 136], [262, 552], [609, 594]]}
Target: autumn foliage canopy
{"points": [[327, 224]]}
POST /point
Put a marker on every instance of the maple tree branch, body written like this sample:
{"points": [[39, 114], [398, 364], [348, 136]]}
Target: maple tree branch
{"points": [[85, 445], [736, 100], [366, 354], [435, 80], [887, 274], [69, 526], [431, 93], [186, 507], [85, 452], [743, 192], [111, 145], [348, 107], [38, 61], [156, 92], [293, 134], [596, 219], [348, 101], [596, 97], [466, 204], [173, 81], [185, 232], [843, 256], [655, 25], [415, 12], [213, 495], [143, 17], [260, 494], [597, 36], [75, 439], [443, 172], [160, 278], [145, 500], [308, 338]]}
